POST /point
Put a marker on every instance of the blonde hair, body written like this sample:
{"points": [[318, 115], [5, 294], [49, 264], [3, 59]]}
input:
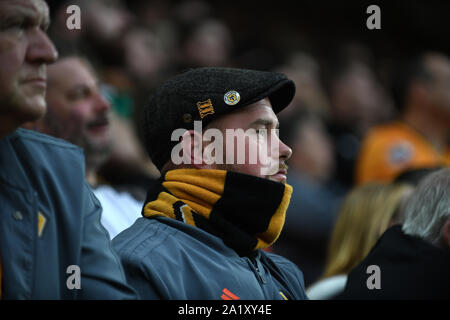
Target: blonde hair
{"points": [[367, 211]]}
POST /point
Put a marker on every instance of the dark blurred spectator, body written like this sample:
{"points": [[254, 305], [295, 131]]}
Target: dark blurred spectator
{"points": [[132, 55], [146, 58], [78, 113], [413, 259], [128, 167], [188, 12], [150, 13], [366, 213], [305, 71], [103, 22], [206, 43], [419, 138], [315, 199], [358, 102]]}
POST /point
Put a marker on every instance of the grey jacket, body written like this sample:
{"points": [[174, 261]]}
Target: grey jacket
{"points": [[50, 222], [167, 259]]}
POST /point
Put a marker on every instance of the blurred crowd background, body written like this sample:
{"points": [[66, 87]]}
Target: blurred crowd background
{"points": [[342, 71]]}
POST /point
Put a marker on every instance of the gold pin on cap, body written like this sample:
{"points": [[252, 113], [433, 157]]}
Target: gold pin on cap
{"points": [[205, 108], [231, 98]]}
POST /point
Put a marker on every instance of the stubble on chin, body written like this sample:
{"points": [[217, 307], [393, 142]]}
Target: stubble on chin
{"points": [[21, 108]]}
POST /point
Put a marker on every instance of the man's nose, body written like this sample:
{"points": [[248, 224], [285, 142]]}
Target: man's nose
{"points": [[40, 47], [285, 151], [102, 104]]}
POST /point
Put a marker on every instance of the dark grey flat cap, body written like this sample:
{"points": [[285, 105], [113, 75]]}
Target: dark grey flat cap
{"points": [[205, 94]]}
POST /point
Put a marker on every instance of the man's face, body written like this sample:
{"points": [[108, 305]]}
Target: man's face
{"points": [[260, 117], [25, 50], [77, 112]]}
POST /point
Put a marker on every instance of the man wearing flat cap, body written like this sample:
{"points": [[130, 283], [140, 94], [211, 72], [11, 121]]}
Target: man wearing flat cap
{"points": [[222, 196]]}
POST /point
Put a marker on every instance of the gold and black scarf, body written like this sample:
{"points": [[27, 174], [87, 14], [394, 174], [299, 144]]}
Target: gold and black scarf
{"points": [[246, 212]]}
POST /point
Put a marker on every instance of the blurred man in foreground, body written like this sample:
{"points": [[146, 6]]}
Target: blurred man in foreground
{"points": [[52, 245]]}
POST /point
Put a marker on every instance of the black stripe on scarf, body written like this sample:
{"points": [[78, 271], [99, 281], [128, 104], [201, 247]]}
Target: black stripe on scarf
{"points": [[245, 209]]}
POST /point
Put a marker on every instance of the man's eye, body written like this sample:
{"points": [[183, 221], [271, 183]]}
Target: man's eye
{"points": [[261, 131], [277, 132], [78, 94], [13, 25], [17, 25]]}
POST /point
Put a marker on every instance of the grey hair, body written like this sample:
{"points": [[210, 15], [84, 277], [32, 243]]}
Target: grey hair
{"points": [[428, 208]]}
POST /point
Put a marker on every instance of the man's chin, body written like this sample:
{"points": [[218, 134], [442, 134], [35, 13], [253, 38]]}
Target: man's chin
{"points": [[97, 146], [278, 179], [32, 109]]}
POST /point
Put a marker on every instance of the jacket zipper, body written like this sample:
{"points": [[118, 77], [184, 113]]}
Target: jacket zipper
{"points": [[257, 271]]}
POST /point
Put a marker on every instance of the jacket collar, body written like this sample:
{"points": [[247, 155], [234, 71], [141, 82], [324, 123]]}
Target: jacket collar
{"points": [[12, 155]]}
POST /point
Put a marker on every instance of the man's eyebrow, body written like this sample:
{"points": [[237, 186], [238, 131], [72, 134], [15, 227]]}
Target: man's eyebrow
{"points": [[46, 23], [28, 14], [265, 122], [80, 87]]}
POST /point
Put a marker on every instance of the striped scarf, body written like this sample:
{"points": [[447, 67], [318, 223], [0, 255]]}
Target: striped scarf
{"points": [[246, 212]]}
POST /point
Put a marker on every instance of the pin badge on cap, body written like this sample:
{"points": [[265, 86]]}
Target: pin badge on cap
{"points": [[231, 98]]}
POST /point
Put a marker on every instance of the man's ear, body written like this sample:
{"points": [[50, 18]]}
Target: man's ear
{"points": [[192, 145], [446, 234]]}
